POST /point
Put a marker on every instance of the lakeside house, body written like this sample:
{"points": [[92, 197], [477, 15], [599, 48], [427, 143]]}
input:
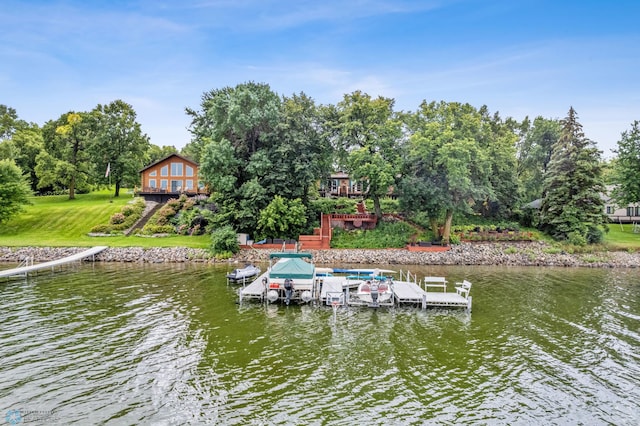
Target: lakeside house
{"points": [[170, 177], [616, 214], [340, 184]]}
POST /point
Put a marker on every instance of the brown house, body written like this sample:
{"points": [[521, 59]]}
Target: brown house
{"points": [[169, 178]]}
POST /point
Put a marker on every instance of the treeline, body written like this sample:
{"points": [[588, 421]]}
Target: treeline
{"points": [[263, 156]]}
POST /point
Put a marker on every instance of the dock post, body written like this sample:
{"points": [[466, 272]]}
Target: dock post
{"points": [[424, 301]]}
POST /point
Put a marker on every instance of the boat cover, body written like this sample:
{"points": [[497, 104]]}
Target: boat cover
{"points": [[292, 268]]}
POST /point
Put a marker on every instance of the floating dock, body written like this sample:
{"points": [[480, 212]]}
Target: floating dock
{"points": [[23, 271], [407, 291]]}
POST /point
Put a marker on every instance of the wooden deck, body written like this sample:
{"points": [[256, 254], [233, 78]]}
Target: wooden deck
{"points": [[24, 270]]}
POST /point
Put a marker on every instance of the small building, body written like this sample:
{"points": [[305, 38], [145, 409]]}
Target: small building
{"points": [[169, 178]]}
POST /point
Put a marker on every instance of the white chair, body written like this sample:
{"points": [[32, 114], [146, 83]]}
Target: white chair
{"points": [[435, 282], [463, 288]]}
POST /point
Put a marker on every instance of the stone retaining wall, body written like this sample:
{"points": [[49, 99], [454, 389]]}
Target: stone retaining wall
{"points": [[514, 254]]}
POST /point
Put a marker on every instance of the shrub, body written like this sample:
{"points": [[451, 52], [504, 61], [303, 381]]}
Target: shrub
{"points": [[102, 229], [157, 229], [117, 218], [576, 239], [223, 240]]}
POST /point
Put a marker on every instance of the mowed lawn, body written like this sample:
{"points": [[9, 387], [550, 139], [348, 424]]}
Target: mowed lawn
{"points": [[56, 221], [622, 237]]}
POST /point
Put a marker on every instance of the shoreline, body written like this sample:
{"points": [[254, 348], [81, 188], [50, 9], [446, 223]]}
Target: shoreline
{"points": [[484, 254]]}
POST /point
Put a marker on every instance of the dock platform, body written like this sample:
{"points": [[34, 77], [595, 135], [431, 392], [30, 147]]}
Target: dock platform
{"points": [[24, 270]]}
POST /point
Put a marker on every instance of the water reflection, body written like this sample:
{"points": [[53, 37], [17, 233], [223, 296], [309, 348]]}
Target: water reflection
{"points": [[169, 344]]}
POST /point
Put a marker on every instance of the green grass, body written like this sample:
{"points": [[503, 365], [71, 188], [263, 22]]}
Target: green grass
{"points": [[386, 235], [56, 221], [622, 238]]}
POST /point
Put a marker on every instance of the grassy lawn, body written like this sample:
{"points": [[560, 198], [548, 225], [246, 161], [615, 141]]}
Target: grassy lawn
{"points": [[622, 237], [56, 221]]}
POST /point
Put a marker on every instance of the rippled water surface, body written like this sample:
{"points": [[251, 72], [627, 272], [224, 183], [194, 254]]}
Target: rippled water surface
{"points": [[131, 344]]}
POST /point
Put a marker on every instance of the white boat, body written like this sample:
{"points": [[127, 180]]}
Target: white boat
{"points": [[375, 292], [242, 274]]}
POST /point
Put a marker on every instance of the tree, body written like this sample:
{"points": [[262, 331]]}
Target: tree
{"points": [[534, 153], [367, 134], [446, 160], [14, 190], [9, 122], [64, 161], [282, 218], [627, 167], [236, 130], [572, 206], [23, 147], [118, 144]]}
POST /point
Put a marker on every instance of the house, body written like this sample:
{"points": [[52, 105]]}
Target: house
{"points": [[340, 184], [169, 178], [615, 213], [618, 214]]}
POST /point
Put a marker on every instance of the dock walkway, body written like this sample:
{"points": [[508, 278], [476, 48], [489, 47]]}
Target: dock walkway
{"points": [[24, 270]]}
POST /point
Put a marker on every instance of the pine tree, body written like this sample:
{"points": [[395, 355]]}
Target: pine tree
{"points": [[572, 207]]}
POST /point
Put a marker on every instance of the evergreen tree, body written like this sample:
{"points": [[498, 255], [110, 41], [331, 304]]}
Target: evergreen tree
{"points": [[572, 206]]}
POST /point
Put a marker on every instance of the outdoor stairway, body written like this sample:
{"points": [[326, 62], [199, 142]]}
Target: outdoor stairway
{"points": [[145, 218]]}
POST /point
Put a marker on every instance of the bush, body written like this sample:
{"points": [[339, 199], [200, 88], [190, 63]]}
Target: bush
{"points": [[223, 240], [102, 229], [157, 229], [576, 239], [117, 218]]}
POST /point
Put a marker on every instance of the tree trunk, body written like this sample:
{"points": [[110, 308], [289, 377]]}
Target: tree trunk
{"points": [[446, 233], [434, 227], [117, 194], [72, 188], [377, 207]]}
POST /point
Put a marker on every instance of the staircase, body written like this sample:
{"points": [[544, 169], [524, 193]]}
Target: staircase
{"points": [[151, 208]]}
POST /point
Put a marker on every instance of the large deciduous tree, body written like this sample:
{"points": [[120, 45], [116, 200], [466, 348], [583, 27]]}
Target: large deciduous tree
{"points": [[534, 153], [64, 161], [367, 135], [14, 190], [447, 167], [627, 167], [253, 146], [572, 204], [118, 144]]}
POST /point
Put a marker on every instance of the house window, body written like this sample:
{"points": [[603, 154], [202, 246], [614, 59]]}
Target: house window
{"points": [[188, 183], [152, 183], [188, 170], [629, 211], [355, 186], [176, 185], [164, 171], [163, 183], [153, 173], [176, 169], [334, 185], [637, 211], [609, 210]]}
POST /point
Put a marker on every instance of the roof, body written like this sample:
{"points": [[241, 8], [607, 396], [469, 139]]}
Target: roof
{"points": [[166, 158], [294, 268]]}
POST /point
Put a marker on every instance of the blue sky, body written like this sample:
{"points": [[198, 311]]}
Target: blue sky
{"points": [[518, 57]]}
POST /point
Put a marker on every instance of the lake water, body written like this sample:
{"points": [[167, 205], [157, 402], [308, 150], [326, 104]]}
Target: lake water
{"points": [[168, 344]]}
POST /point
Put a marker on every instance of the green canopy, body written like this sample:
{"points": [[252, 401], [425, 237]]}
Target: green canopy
{"points": [[293, 268]]}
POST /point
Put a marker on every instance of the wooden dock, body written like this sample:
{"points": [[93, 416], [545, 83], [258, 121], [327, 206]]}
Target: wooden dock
{"points": [[24, 270]]}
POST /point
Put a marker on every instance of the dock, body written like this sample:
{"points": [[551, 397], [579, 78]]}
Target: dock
{"points": [[335, 290], [25, 270]]}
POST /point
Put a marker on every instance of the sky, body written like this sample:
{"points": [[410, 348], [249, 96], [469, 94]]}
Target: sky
{"points": [[518, 57]]}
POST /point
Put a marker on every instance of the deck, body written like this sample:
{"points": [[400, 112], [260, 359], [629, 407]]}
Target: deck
{"points": [[24, 270]]}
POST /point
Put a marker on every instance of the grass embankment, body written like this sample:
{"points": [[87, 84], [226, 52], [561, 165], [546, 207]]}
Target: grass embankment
{"points": [[56, 221]]}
